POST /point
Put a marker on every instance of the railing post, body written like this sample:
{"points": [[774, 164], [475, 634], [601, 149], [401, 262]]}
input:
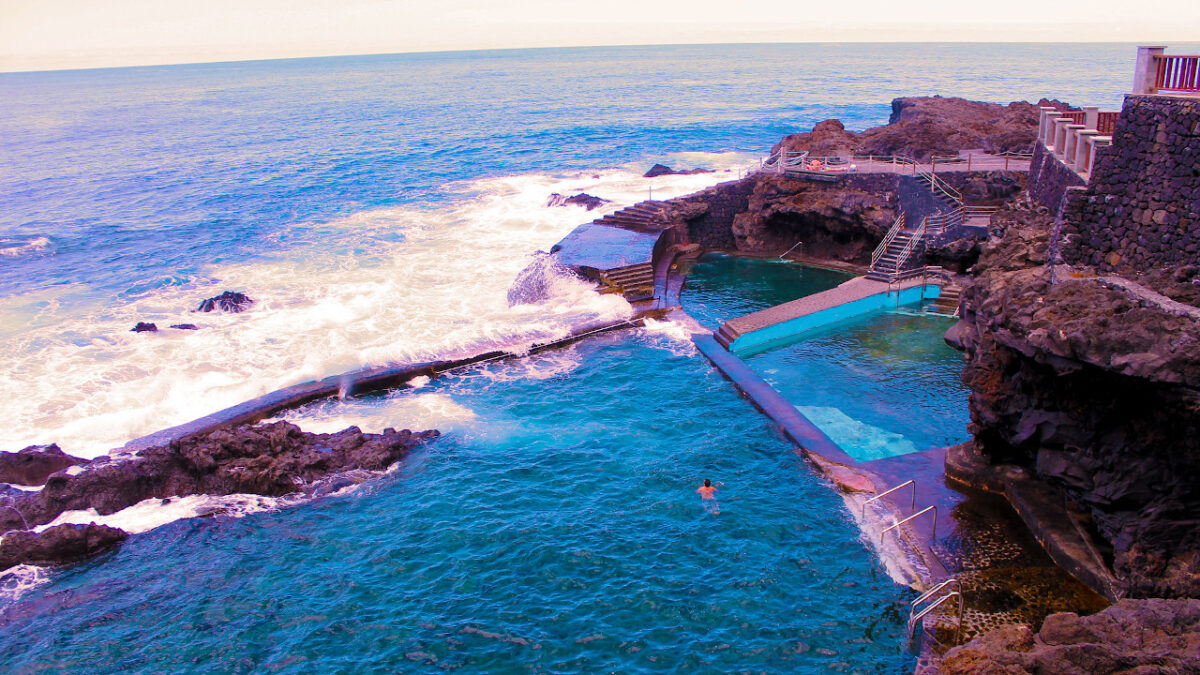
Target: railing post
{"points": [[1145, 70], [1091, 116], [1083, 151], [1072, 143]]}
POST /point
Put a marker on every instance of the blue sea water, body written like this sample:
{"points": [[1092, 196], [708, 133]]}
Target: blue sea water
{"points": [[377, 209]]}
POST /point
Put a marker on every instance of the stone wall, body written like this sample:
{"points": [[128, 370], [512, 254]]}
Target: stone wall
{"points": [[1141, 209], [1049, 178], [713, 230]]}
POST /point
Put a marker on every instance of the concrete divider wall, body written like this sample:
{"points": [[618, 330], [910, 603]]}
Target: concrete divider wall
{"points": [[786, 331]]}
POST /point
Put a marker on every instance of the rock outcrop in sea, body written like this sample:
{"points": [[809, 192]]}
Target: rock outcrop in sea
{"points": [[922, 127], [271, 459], [32, 465]]}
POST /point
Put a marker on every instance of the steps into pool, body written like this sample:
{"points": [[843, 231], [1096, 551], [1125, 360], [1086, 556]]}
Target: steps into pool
{"points": [[946, 304]]}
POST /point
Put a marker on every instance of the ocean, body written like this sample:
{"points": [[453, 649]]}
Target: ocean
{"points": [[377, 208]]}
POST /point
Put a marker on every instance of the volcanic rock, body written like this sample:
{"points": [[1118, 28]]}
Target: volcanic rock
{"points": [[58, 545], [267, 459], [184, 326], [32, 465], [921, 127], [583, 199], [143, 327], [663, 170], [229, 301], [1133, 636], [840, 221], [1091, 384]]}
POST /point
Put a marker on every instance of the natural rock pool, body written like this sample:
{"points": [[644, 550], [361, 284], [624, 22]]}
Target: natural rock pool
{"points": [[879, 385], [554, 527]]}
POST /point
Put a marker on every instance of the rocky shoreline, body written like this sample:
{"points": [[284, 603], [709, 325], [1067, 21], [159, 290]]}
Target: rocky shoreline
{"points": [[270, 459]]}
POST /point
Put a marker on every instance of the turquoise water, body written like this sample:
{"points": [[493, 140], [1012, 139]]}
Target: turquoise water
{"points": [[554, 528], [721, 287], [879, 385]]}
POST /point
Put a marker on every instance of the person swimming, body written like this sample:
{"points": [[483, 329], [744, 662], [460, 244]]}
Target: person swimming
{"points": [[708, 494]]}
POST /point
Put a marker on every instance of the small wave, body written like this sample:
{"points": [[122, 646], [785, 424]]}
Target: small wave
{"points": [[29, 246], [19, 580]]}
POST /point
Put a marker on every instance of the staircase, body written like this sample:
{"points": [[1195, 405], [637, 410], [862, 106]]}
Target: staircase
{"points": [[647, 216], [894, 259], [898, 252], [635, 282], [946, 304]]}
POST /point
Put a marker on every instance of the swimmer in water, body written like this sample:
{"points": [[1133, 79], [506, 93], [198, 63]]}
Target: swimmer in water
{"points": [[708, 493]]}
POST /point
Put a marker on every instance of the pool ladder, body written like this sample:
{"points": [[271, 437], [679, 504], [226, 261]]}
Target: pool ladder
{"points": [[947, 591], [912, 507]]}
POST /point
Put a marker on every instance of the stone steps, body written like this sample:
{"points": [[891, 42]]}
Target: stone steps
{"points": [[635, 282]]}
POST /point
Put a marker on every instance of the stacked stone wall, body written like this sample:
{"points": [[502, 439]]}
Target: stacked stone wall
{"points": [[1141, 209], [1049, 178]]}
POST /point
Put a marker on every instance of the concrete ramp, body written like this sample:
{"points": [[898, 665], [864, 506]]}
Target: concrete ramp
{"points": [[779, 324]]}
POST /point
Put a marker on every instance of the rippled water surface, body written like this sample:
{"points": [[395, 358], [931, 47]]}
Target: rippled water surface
{"points": [[554, 528]]}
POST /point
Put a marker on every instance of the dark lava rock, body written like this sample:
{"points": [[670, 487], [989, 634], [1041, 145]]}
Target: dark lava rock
{"points": [[58, 545], [229, 301], [921, 127], [185, 326], [1094, 389], [582, 199], [32, 465], [663, 170], [1133, 636], [266, 459], [143, 327]]}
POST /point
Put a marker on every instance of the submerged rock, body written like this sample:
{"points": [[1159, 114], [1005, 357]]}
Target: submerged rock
{"points": [[229, 301], [143, 327], [583, 199], [58, 545], [185, 326], [32, 465]]}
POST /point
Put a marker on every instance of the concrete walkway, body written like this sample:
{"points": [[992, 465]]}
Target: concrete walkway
{"points": [[858, 288]]}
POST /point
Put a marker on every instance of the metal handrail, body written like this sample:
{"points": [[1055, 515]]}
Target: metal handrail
{"points": [[913, 620], [798, 244], [931, 592], [907, 251], [936, 184], [897, 227], [881, 495], [922, 512]]}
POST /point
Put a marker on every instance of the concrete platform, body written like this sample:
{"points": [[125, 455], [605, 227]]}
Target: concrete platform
{"points": [[601, 247], [858, 296]]}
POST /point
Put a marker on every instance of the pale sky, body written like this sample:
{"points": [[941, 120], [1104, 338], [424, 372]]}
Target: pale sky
{"points": [[56, 34]]}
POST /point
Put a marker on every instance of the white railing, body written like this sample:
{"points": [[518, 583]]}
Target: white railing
{"points": [[897, 228]]}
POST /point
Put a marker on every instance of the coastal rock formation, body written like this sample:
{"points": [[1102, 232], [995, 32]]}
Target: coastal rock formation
{"points": [[583, 199], [922, 127], [839, 221], [1133, 636], [664, 170], [1091, 384], [58, 545], [266, 459], [184, 326], [32, 465], [229, 301], [144, 327]]}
